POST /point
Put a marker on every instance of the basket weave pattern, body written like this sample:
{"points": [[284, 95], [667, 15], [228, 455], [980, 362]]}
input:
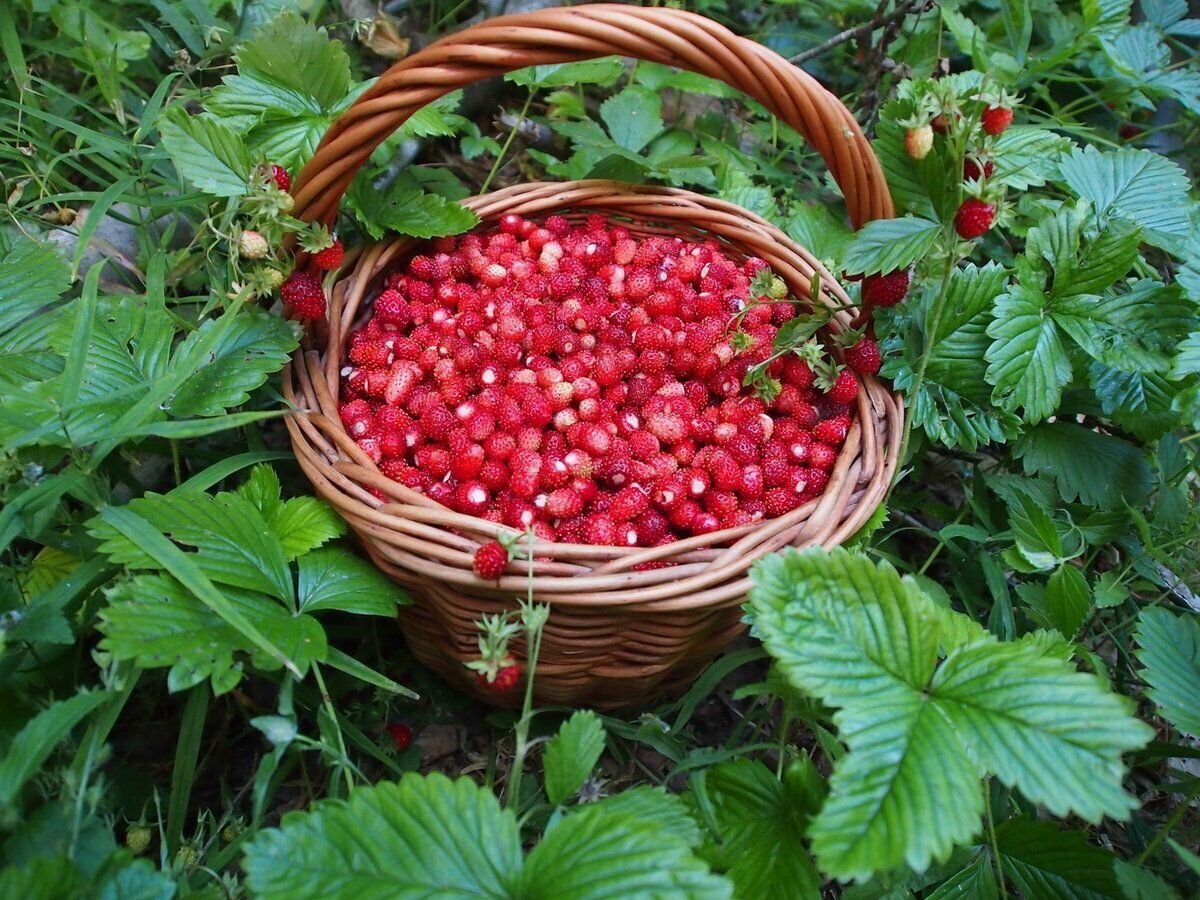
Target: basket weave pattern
{"points": [[615, 636]]}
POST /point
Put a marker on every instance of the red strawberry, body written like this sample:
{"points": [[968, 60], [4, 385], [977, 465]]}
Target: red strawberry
{"points": [[972, 172], [845, 388], [282, 179], [885, 289], [490, 561], [996, 119], [331, 257], [832, 431], [506, 679], [401, 734], [918, 141], [303, 295], [864, 357], [974, 218]]}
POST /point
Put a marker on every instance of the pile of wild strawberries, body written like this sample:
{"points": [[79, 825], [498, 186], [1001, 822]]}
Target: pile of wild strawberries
{"points": [[587, 383]]}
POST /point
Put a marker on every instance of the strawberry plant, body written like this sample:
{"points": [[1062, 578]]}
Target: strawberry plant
{"points": [[989, 691]]}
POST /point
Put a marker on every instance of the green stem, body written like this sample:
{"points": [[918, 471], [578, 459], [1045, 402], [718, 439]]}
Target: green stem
{"points": [[934, 321], [507, 143], [992, 842], [1178, 813], [327, 702], [512, 791]]}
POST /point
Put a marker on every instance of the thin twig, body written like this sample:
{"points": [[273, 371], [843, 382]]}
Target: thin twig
{"points": [[850, 34]]}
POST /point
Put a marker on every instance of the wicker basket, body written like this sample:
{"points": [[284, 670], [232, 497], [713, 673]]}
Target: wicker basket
{"points": [[615, 637]]}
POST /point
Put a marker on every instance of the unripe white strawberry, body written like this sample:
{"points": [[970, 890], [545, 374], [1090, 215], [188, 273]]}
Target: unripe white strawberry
{"points": [[918, 141], [252, 245]]}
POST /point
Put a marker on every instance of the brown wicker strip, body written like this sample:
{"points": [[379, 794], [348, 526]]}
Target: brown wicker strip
{"points": [[616, 636]]}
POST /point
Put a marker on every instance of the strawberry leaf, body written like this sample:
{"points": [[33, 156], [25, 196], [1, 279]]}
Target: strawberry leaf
{"points": [[857, 636], [758, 826], [571, 755], [1027, 361], [1087, 466], [330, 578], [405, 208], [208, 154], [1134, 184], [257, 345], [1169, 649], [886, 245], [155, 621]]}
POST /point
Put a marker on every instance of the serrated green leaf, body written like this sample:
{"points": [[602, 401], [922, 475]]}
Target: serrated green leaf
{"points": [[425, 836], [1068, 600], [910, 182], [886, 245], [233, 543], [265, 97], [633, 117], [1070, 731], [32, 275], [1045, 861], [294, 54], [1087, 466], [758, 838], [858, 637], [666, 812], [1028, 156], [209, 155], [1169, 649], [305, 523], [1028, 364], [289, 142], [405, 208], [975, 882], [33, 744], [41, 878], [257, 345], [1138, 185], [1187, 358], [598, 854], [604, 71], [156, 622], [571, 755], [331, 578], [1142, 884], [1109, 591], [263, 490]]}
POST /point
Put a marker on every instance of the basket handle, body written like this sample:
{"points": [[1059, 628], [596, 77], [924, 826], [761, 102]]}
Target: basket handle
{"points": [[655, 34]]}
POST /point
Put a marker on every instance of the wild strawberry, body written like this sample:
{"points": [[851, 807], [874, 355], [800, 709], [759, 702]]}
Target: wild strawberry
{"points": [[832, 431], [822, 456], [391, 308], [280, 176], [506, 679], [252, 245], [599, 528], [974, 218], [471, 498], [401, 735], [490, 560], [845, 388], [331, 257], [996, 119], [864, 357], [304, 296], [779, 501], [137, 839], [886, 289], [563, 503], [918, 141], [972, 171]]}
